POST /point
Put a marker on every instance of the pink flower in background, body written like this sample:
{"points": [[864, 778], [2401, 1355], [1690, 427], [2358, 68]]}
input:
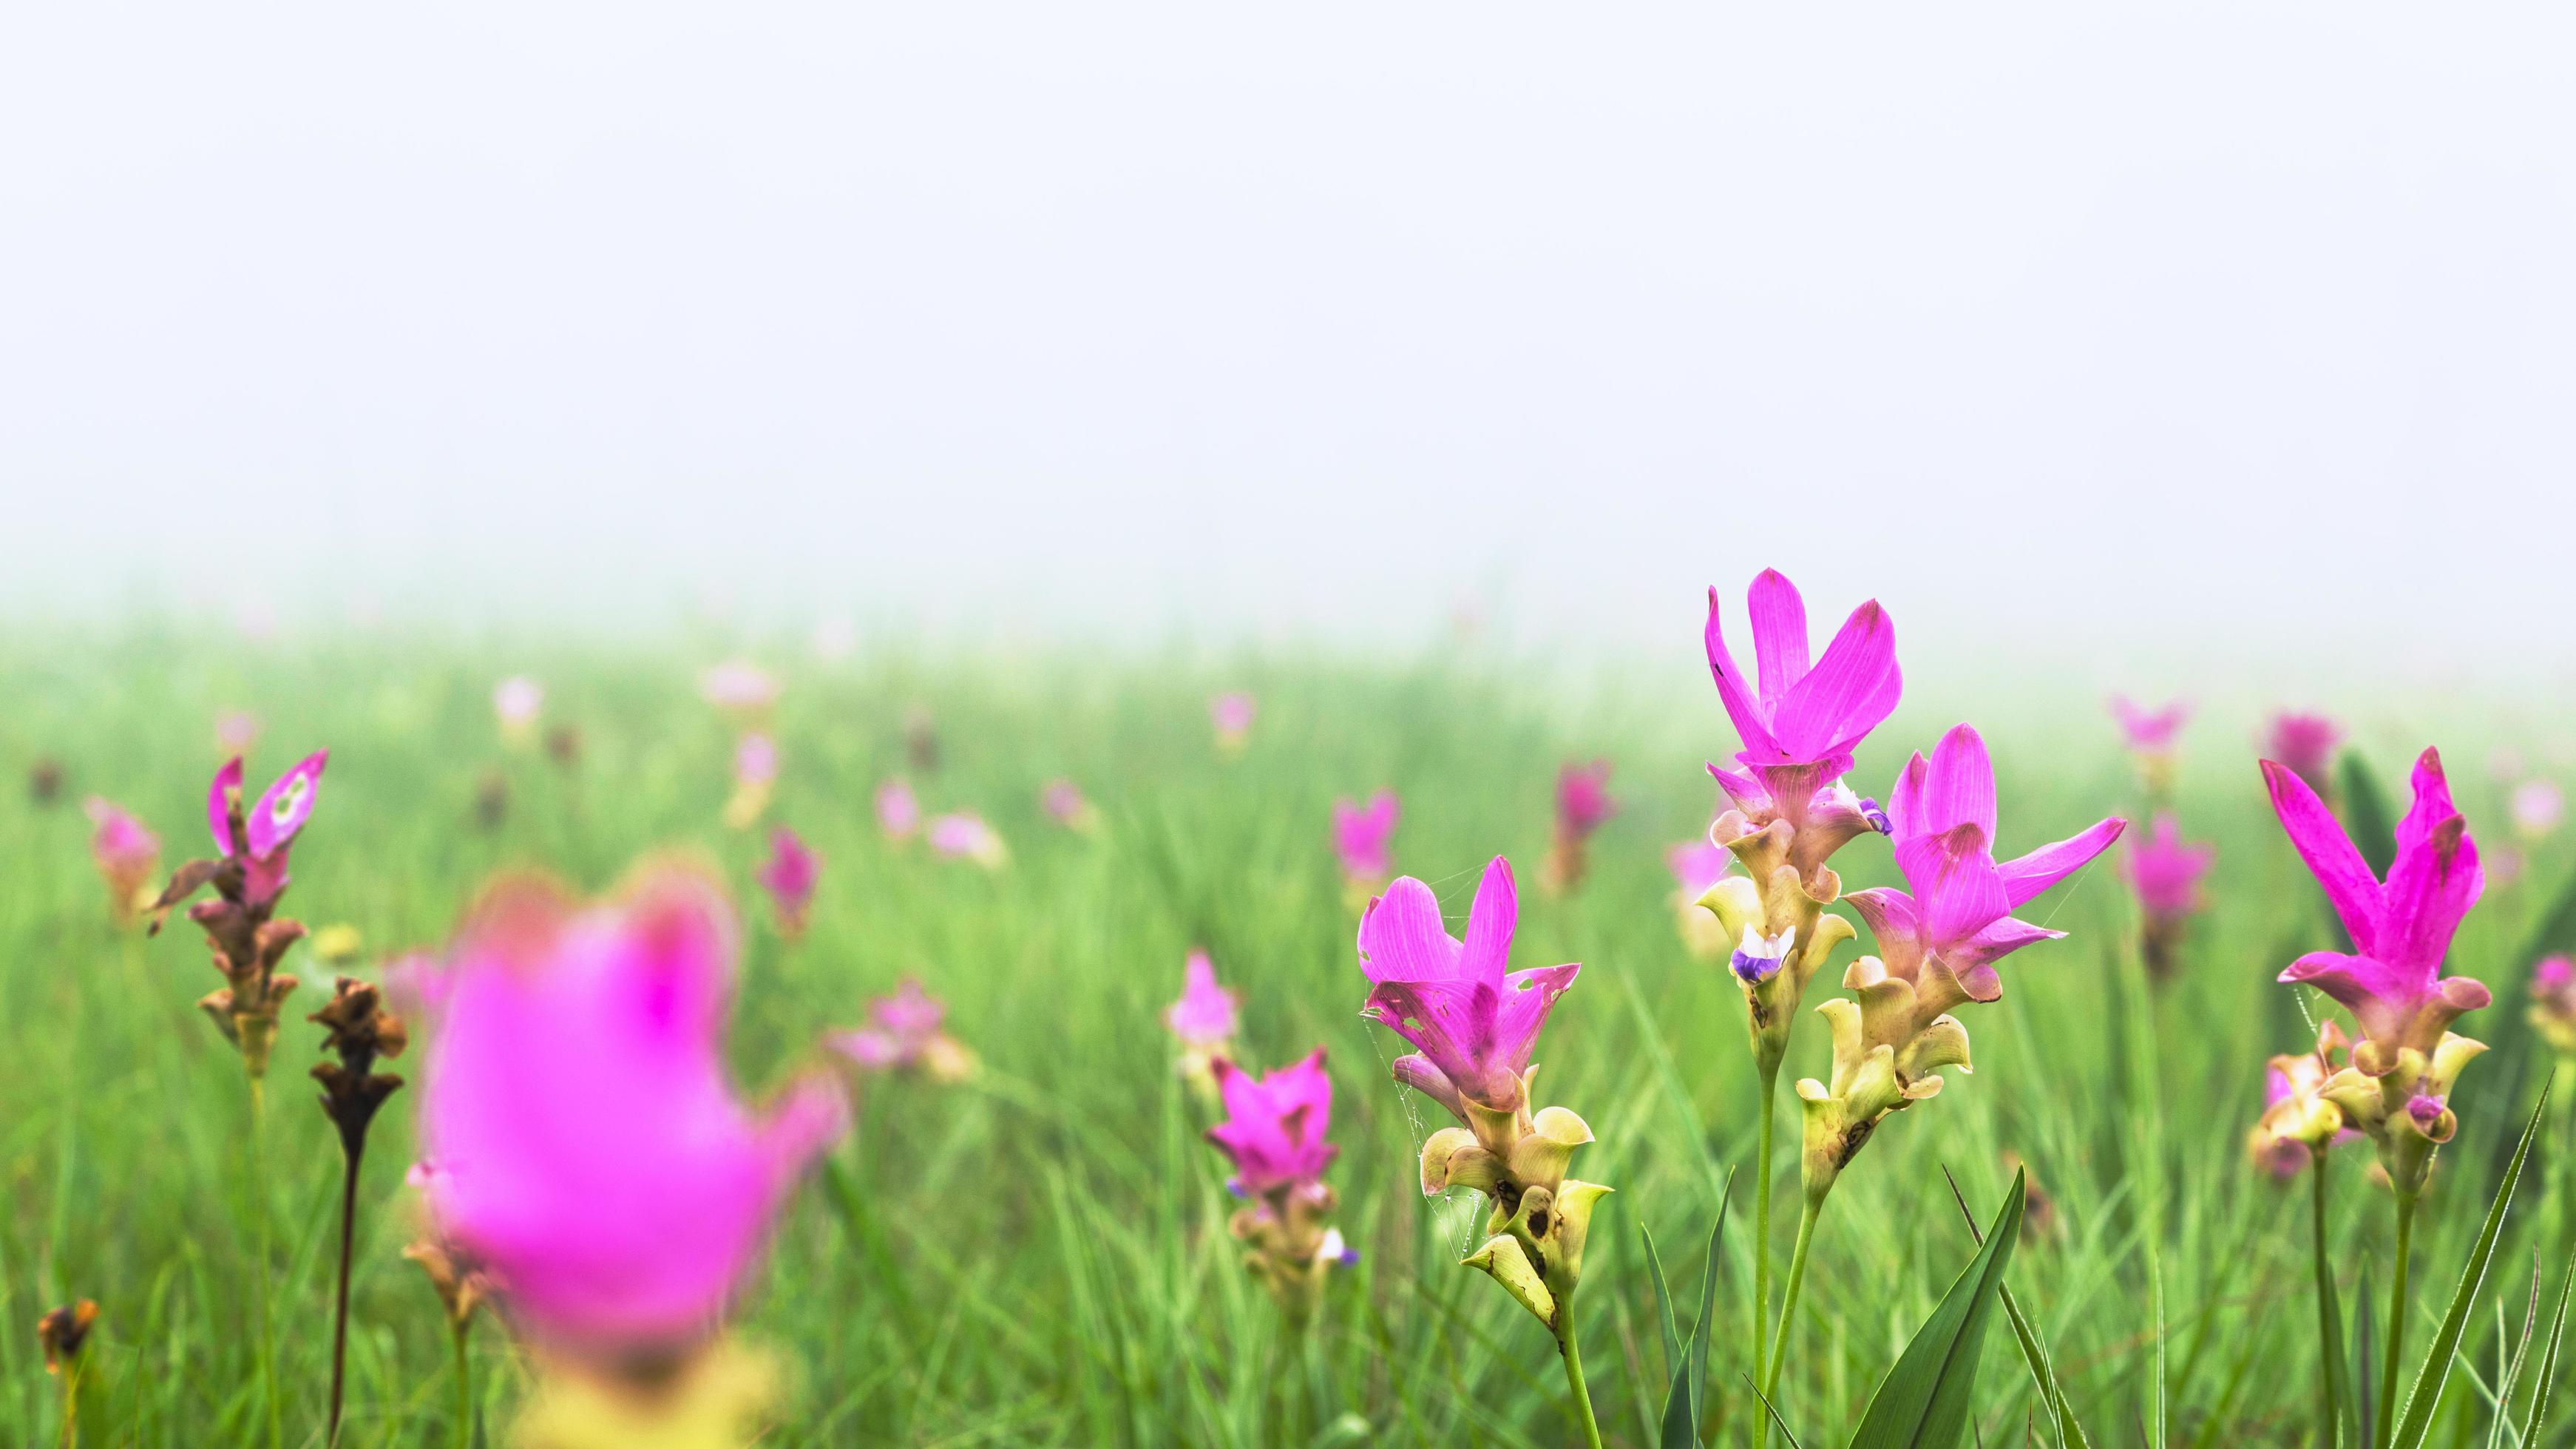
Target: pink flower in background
{"points": [[1274, 1126], [1063, 802], [1799, 721], [2400, 928], [236, 730], [1583, 798], [2165, 872], [1204, 1017], [1472, 1024], [1361, 834], [1957, 908], [898, 810], [963, 835], [268, 827], [2306, 743], [905, 1033], [2150, 732], [790, 875], [1697, 865], [755, 761], [739, 686], [128, 855], [518, 700], [2553, 1002], [580, 1134], [1232, 713], [2537, 808]]}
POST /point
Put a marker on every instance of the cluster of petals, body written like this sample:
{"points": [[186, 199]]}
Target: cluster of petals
{"points": [[1205, 1017], [2166, 872], [127, 853], [2305, 743], [1361, 837], [790, 876], [906, 1032]]}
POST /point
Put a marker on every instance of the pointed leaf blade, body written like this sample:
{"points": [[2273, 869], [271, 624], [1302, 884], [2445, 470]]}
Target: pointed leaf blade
{"points": [[2427, 1392], [1924, 1401]]}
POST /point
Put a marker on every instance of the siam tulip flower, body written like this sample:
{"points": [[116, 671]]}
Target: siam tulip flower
{"points": [[2166, 875], [236, 730], [963, 835], [1204, 1018], [2399, 1080], [1361, 834], [582, 1139], [2306, 743], [2151, 735], [741, 689], [359, 1031], [1473, 1026], [517, 701], [1938, 942], [789, 875], [755, 774], [905, 1034], [1697, 866], [2553, 1003], [2299, 1123], [1232, 714], [248, 874], [128, 858], [2537, 808], [1583, 803], [1274, 1133], [1063, 802], [898, 810]]}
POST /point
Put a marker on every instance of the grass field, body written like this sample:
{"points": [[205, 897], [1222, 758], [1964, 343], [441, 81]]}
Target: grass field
{"points": [[1039, 1255]]}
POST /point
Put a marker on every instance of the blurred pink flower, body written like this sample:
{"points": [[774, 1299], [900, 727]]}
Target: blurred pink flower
{"points": [[739, 686], [1583, 798], [898, 810], [2298, 1121], [1274, 1126], [2150, 732], [904, 1033], [1473, 1024], [1063, 802], [1361, 834], [2400, 929], [963, 835], [1232, 713], [2306, 743], [2165, 872], [789, 875], [581, 1137], [2553, 1002], [518, 700], [1204, 1017], [755, 760], [127, 854], [2537, 808], [236, 730], [1697, 865]]}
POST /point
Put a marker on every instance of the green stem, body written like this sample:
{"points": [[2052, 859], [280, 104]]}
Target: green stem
{"points": [[1762, 1219], [340, 1312], [259, 1267], [1789, 1305], [2388, 1405], [71, 1404], [464, 1389], [1573, 1356], [2325, 1315]]}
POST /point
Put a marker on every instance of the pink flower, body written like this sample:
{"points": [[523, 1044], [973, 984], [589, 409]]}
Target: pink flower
{"points": [[789, 876], [2150, 732], [236, 730], [898, 810], [128, 855], [2400, 928], [904, 1033], [268, 827], [755, 761], [2553, 1001], [1583, 798], [1361, 834], [2537, 808], [1697, 865], [2166, 873], [2306, 743], [1473, 1025], [1274, 1126], [1232, 712], [1204, 1017], [518, 700], [964, 836], [739, 686], [1063, 802], [580, 1134], [1956, 913]]}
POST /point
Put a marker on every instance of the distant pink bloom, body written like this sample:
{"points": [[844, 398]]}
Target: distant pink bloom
{"points": [[2553, 1001], [898, 810], [1697, 865], [1063, 802], [2504, 866], [581, 1136], [739, 686], [1232, 713], [789, 875], [269, 826], [963, 835], [128, 855], [905, 1032], [1204, 1017], [1361, 834], [1583, 798], [2150, 732], [236, 730], [2400, 929], [2537, 807], [1473, 1024], [755, 760], [2166, 873], [518, 700], [1956, 912], [2555, 976], [1275, 1126], [2306, 743]]}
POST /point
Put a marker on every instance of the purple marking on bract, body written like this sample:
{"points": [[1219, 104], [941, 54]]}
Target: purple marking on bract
{"points": [[1755, 969], [1871, 811], [2425, 1110]]}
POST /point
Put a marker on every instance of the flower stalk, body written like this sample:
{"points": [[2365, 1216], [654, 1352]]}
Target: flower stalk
{"points": [[358, 1031]]}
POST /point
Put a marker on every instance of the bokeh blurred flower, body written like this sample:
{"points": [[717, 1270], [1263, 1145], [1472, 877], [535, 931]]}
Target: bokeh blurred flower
{"points": [[2553, 1002], [905, 1032], [755, 775], [2166, 874], [2306, 744], [741, 689], [1232, 714], [1065, 804], [1472, 1024], [2298, 1122], [898, 810], [1274, 1132], [2152, 735], [1361, 836], [1583, 803], [1204, 1019], [1698, 865], [789, 875], [2537, 808], [236, 730], [517, 701], [963, 835], [128, 857], [581, 1137]]}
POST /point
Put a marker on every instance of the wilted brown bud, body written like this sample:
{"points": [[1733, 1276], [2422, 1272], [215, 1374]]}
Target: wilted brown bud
{"points": [[45, 780], [356, 1027], [461, 1287], [63, 1331], [563, 745]]}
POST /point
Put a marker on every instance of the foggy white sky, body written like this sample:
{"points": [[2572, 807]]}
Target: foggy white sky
{"points": [[2169, 329]]}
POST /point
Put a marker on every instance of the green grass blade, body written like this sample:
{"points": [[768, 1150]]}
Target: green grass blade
{"points": [[2043, 1373], [1687, 1403], [1924, 1401], [1663, 1307], [2347, 1412], [2363, 1377], [2420, 1400], [2538, 1418]]}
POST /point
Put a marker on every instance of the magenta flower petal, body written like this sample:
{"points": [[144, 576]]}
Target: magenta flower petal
{"points": [[1472, 1023], [1402, 937], [1697, 865], [1955, 879], [219, 804], [286, 805], [1826, 707], [1274, 1127], [2166, 873], [2331, 856], [1205, 1014], [2025, 876], [1752, 719], [790, 875], [1779, 632], [1361, 834], [1490, 923], [1960, 786]]}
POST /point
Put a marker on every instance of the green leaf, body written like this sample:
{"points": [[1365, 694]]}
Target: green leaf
{"points": [[2534, 1421], [2436, 1372], [1687, 1397], [1924, 1401], [2366, 814], [2338, 1373], [1663, 1304], [2363, 1380], [2043, 1374]]}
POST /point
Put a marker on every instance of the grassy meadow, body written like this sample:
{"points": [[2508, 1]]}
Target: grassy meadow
{"points": [[1039, 1256]]}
